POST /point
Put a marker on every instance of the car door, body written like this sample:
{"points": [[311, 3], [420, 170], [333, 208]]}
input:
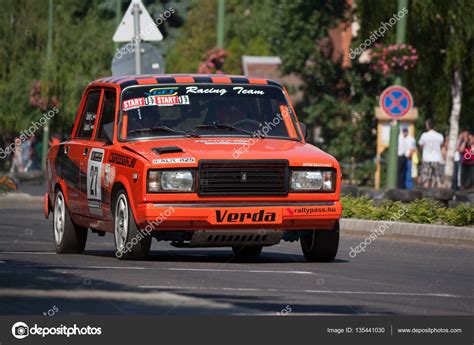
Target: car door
{"points": [[80, 145], [70, 152], [97, 186]]}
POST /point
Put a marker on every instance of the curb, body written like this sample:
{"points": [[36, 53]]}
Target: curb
{"points": [[20, 200], [445, 232]]}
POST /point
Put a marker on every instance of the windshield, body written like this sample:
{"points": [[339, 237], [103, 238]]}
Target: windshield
{"points": [[239, 110]]}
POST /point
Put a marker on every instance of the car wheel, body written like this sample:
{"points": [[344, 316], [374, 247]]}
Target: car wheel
{"points": [[247, 251], [69, 238], [321, 245], [130, 242]]}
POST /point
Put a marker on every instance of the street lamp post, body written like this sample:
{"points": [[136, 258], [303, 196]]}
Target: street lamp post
{"points": [[49, 54]]}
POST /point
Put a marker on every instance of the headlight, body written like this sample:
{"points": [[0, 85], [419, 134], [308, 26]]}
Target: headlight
{"points": [[313, 180], [170, 181]]}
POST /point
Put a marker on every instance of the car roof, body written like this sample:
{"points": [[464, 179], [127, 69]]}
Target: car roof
{"points": [[129, 80]]}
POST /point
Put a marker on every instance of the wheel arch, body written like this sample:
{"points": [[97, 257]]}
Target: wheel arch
{"points": [[119, 184]]}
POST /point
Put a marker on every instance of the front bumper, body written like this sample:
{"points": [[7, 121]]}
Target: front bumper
{"points": [[197, 216]]}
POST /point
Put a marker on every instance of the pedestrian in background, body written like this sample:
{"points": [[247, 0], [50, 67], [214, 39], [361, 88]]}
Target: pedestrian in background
{"points": [[455, 181], [411, 151], [467, 162], [431, 142], [406, 147]]}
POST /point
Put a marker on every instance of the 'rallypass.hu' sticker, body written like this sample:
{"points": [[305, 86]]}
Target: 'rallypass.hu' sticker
{"points": [[154, 100]]}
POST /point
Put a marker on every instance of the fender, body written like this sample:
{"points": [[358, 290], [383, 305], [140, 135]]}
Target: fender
{"points": [[124, 182]]}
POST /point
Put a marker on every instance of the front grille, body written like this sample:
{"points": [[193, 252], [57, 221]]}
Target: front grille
{"points": [[244, 178]]}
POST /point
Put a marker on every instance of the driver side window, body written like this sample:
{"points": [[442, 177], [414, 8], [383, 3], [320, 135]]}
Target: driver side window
{"points": [[108, 113]]}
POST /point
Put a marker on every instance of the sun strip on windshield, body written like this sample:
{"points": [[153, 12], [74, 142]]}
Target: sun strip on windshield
{"points": [[288, 123], [123, 134]]}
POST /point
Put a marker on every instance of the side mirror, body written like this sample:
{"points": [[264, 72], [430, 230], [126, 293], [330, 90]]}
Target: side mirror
{"points": [[109, 132], [304, 129]]}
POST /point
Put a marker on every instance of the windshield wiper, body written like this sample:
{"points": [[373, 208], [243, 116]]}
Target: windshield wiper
{"points": [[165, 129], [226, 126]]}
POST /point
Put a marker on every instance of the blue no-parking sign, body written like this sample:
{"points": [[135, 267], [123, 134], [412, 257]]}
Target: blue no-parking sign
{"points": [[396, 101]]}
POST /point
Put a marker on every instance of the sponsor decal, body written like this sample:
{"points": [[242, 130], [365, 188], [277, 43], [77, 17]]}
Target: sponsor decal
{"points": [[174, 160], [89, 122], [133, 103], [241, 90], [252, 216], [96, 156], [311, 210], [222, 142], [162, 91], [160, 101], [121, 159], [109, 175], [166, 100], [240, 217], [328, 165], [209, 90]]}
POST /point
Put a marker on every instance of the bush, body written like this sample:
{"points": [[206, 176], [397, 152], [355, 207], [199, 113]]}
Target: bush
{"points": [[422, 211]]}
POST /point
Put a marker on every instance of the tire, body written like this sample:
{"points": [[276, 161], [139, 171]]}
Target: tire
{"points": [[321, 245], [247, 251], [126, 230], [69, 238]]}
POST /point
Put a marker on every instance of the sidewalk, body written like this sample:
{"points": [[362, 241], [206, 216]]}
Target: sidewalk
{"points": [[429, 231]]}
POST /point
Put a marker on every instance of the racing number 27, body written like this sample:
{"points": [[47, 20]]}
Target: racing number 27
{"points": [[94, 174]]}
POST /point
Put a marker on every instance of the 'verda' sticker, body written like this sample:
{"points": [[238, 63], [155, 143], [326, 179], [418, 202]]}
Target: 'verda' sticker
{"points": [[174, 160]]}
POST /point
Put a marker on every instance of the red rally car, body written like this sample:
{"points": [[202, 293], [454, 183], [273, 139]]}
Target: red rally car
{"points": [[197, 160]]}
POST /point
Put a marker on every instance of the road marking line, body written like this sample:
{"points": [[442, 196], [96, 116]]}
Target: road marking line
{"points": [[170, 269], [8, 227], [412, 294], [238, 271], [155, 298], [39, 253]]}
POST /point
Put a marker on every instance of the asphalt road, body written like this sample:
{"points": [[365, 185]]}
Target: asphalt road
{"points": [[392, 277]]}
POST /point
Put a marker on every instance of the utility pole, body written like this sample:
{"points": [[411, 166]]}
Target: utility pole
{"points": [[220, 23], [394, 127], [118, 15], [49, 55], [136, 21]]}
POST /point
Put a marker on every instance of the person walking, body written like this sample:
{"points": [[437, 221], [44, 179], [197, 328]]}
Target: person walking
{"points": [[455, 180], [406, 147], [431, 142], [467, 162], [410, 152]]}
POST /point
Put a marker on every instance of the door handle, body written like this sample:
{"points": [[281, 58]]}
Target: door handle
{"points": [[66, 150], [86, 151]]}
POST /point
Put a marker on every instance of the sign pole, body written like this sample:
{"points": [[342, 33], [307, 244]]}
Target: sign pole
{"points": [[394, 129], [220, 23], [136, 22]]}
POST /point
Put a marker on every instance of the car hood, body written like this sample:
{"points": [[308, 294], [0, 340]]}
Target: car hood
{"points": [[297, 153]]}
